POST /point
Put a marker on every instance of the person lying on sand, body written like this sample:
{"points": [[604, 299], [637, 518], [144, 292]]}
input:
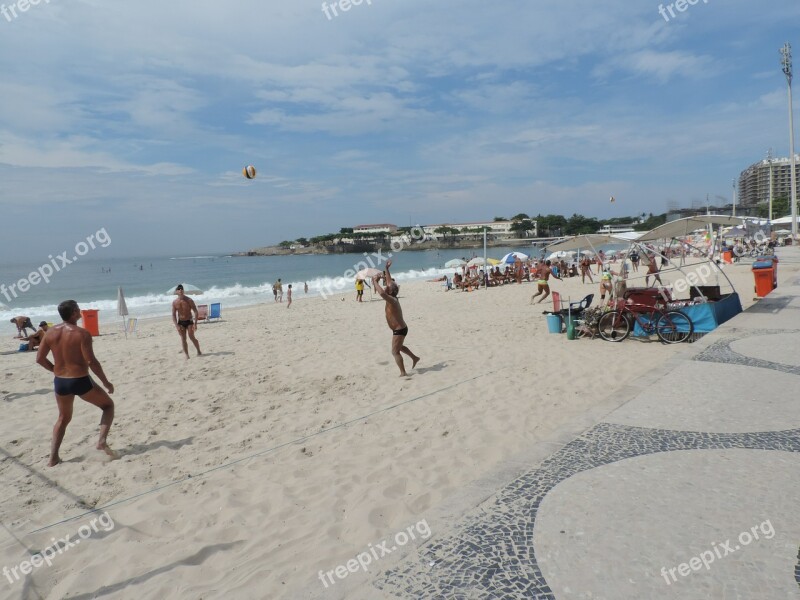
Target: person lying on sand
{"points": [[73, 354], [394, 318]]}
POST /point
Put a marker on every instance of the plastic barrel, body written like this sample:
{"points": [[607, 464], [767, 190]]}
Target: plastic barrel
{"points": [[91, 321], [553, 324]]}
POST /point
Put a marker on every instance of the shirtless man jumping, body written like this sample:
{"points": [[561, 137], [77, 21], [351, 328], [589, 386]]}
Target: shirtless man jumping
{"points": [[394, 317], [72, 351], [544, 273], [182, 309]]}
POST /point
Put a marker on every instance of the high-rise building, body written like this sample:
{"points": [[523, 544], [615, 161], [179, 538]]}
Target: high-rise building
{"points": [[754, 181]]}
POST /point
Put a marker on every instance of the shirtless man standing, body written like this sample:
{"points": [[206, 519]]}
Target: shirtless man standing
{"points": [[72, 351], [22, 324], [394, 317], [543, 277], [182, 310]]}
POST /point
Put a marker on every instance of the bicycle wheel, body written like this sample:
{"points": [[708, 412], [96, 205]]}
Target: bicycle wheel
{"points": [[614, 326], [674, 327]]}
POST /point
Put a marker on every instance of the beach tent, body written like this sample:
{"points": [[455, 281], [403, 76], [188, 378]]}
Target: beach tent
{"points": [[681, 228], [588, 240]]}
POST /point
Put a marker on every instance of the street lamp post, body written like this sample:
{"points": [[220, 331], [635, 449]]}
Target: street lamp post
{"points": [[734, 198], [769, 159], [786, 62]]}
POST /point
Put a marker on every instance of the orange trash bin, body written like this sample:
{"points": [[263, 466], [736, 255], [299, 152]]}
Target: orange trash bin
{"points": [[763, 273], [91, 321], [727, 256]]}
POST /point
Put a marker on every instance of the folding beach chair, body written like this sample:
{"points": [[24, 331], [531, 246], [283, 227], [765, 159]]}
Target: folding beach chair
{"points": [[215, 312], [132, 326], [202, 312]]}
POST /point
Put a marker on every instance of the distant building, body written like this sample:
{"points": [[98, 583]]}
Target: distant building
{"points": [[612, 229], [754, 181], [376, 228], [495, 228]]}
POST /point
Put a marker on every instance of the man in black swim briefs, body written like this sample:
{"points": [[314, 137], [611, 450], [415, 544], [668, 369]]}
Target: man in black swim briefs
{"points": [[394, 317], [185, 317], [73, 355]]}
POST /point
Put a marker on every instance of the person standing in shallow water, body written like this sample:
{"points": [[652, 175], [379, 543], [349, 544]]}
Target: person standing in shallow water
{"points": [[73, 355], [394, 318]]}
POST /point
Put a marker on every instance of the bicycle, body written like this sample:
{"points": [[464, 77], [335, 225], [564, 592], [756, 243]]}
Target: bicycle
{"points": [[671, 327]]}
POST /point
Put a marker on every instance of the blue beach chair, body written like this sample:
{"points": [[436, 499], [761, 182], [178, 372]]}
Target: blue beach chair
{"points": [[215, 311]]}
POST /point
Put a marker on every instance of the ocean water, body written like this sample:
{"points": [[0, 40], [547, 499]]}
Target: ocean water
{"points": [[233, 281]]}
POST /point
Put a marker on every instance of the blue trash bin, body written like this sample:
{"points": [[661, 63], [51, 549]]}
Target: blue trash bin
{"points": [[553, 324]]}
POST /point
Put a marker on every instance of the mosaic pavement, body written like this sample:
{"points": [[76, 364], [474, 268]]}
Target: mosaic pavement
{"points": [[493, 555]]}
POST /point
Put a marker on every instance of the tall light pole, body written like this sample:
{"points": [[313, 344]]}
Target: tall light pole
{"points": [[734, 197], [769, 159], [786, 62]]}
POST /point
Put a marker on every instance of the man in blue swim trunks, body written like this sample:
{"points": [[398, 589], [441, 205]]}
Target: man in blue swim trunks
{"points": [[72, 351]]}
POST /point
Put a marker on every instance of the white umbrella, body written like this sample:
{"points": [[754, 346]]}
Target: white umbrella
{"points": [[478, 261], [560, 254], [122, 309], [454, 264], [587, 252], [188, 289]]}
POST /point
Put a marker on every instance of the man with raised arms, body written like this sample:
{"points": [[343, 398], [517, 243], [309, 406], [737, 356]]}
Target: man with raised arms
{"points": [[72, 351], [185, 317], [394, 318]]}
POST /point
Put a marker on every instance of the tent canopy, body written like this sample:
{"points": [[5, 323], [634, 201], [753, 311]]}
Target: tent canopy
{"points": [[683, 227], [589, 240]]}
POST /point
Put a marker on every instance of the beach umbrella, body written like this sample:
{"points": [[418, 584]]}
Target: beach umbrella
{"points": [[587, 252], [479, 261], [512, 256], [188, 289], [122, 309], [454, 264], [368, 273], [560, 254]]}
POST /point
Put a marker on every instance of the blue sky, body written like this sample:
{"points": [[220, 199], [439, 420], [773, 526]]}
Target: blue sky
{"points": [[139, 116]]}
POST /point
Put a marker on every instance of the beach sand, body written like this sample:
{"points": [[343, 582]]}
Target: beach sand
{"points": [[261, 483]]}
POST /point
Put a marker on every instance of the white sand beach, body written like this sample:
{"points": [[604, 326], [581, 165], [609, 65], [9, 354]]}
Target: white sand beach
{"points": [[268, 487]]}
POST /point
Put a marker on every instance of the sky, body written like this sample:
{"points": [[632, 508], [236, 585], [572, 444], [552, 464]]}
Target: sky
{"points": [[138, 117]]}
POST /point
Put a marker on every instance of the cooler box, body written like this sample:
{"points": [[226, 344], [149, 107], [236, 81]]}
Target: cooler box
{"points": [[763, 273], [91, 321]]}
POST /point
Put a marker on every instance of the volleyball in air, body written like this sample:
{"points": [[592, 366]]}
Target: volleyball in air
{"points": [[249, 172], [612, 199]]}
